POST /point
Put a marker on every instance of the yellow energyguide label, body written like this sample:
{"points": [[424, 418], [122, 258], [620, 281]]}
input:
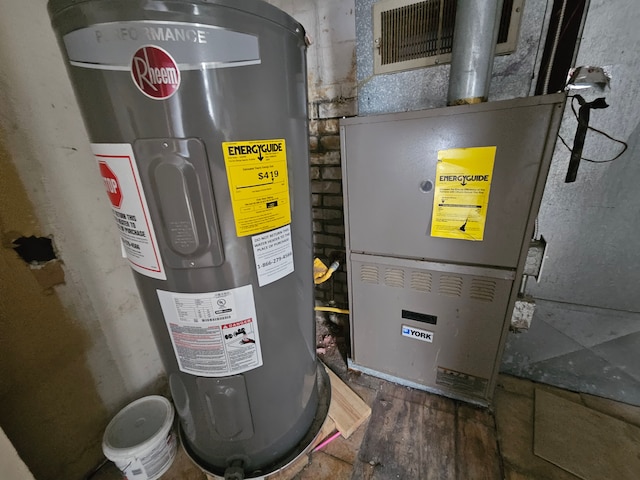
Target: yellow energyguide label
{"points": [[461, 195], [258, 183]]}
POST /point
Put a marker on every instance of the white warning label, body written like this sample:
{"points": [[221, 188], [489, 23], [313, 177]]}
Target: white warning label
{"points": [[213, 334], [273, 255], [121, 179]]}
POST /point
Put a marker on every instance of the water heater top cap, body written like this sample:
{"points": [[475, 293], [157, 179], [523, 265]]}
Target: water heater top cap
{"points": [[154, 7]]}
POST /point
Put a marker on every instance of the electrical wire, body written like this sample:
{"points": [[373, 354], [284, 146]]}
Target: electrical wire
{"points": [[624, 144]]}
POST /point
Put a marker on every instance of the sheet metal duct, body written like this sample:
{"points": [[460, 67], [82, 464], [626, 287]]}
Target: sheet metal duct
{"points": [[197, 114], [474, 45]]}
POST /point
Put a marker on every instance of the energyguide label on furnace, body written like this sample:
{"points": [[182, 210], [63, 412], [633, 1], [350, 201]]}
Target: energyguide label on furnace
{"points": [[214, 334], [259, 185], [461, 195]]}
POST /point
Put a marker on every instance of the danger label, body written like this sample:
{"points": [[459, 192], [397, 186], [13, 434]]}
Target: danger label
{"points": [[213, 334], [259, 185], [129, 207], [461, 195], [155, 72]]}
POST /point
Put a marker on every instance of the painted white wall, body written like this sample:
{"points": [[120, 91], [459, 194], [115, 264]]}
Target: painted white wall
{"points": [[11, 465], [330, 24], [48, 143]]}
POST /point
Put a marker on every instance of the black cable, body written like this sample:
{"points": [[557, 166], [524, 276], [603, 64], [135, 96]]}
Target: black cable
{"points": [[624, 144]]}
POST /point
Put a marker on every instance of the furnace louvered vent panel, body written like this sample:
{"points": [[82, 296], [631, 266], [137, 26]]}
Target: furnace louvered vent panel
{"points": [[480, 289], [411, 34], [419, 30], [450, 285], [394, 277], [369, 274], [483, 289], [421, 281]]}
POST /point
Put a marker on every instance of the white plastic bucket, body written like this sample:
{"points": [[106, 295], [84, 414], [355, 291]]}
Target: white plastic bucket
{"points": [[140, 439]]}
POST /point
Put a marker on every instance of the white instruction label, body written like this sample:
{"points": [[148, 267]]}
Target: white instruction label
{"points": [[129, 207], [131, 469], [273, 254], [213, 334]]}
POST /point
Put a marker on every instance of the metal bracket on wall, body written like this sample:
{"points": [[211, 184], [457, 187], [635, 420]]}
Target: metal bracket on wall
{"points": [[535, 258]]}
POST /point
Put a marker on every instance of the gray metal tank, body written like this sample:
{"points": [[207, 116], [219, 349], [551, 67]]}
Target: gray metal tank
{"points": [[197, 114]]}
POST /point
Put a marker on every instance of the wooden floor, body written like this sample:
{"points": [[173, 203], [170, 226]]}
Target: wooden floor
{"points": [[445, 439], [411, 435]]}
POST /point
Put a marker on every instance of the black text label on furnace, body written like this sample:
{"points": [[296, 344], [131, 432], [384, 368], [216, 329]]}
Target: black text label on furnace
{"points": [[417, 333]]}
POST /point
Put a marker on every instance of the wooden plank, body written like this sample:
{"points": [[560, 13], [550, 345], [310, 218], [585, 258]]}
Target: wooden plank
{"points": [[292, 470], [408, 437], [346, 409], [580, 440], [325, 466], [476, 444], [328, 427]]}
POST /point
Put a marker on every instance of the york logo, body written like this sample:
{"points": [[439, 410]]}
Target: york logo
{"points": [[417, 333], [155, 72]]}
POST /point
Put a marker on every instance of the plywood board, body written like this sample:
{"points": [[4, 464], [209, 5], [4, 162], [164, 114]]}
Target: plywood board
{"points": [[405, 440], [476, 444], [347, 409], [415, 435], [587, 443]]}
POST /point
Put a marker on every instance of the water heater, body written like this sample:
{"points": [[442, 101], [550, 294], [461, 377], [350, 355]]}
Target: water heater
{"points": [[197, 115]]}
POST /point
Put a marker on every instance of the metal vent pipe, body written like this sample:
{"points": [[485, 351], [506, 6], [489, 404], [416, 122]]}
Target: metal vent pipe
{"points": [[474, 45]]}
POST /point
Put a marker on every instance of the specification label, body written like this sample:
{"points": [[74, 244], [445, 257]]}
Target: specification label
{"points": [[273, 254], [259, 185], [213, 334]]}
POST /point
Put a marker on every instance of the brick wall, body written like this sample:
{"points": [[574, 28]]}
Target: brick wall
{"points": [[331, 68], [328, 214]]}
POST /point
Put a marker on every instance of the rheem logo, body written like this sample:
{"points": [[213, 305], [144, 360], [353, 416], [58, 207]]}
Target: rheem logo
{"points": [[155, 72]]}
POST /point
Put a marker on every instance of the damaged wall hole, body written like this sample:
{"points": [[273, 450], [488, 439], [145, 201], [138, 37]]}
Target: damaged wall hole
{"points": [[34, 250], [39, 253]]}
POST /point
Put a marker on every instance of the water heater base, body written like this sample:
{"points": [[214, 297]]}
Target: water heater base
{"points": [[304, 447]]}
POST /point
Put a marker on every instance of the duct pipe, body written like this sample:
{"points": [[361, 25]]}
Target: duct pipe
{"points": [[474, 44]]}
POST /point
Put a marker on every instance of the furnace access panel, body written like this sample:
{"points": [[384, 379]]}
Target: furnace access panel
{"points": [[439, 210]]}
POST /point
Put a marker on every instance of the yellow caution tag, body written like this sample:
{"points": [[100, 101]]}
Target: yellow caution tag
{"points": [[461, 195], [259, 185]]}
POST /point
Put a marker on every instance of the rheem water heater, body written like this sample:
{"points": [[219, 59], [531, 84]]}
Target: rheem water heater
{"points": [[197, 115]]}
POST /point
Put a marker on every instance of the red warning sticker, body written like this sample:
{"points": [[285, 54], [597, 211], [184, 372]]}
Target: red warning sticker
{"points": [[111, 184], [155, 72], [129, 207]]}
